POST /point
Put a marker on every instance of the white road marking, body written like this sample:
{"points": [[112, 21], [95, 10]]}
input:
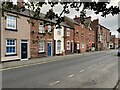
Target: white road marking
{"points": [[71, 75], [54, 83], [82, 71], [89, 67]]}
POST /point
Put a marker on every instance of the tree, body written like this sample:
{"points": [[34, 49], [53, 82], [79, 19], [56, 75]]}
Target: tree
{"points": [[35, 6]]}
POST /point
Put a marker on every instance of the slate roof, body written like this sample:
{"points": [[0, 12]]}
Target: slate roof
{"points": [[28, 13], [65, 25], [71, 20]]}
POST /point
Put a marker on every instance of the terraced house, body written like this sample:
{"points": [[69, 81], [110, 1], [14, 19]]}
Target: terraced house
{"points": [[42, 38], [15, 33], [87, 34], [77, 36], [25, 37]]}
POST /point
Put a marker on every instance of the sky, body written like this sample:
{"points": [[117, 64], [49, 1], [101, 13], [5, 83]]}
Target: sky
{"points": [[111, 22]]}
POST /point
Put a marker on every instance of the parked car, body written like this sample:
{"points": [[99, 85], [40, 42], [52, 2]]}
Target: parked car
{"points": [[118, 51]]}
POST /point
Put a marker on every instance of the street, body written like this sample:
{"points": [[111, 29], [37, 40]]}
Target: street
{"points": [[94, 70]]}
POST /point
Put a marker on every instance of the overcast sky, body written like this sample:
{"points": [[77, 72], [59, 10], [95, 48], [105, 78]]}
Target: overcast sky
{"points": [[110, 21]]}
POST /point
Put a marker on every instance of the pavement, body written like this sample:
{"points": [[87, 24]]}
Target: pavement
{"points": [[88, 70], [17, 64]]}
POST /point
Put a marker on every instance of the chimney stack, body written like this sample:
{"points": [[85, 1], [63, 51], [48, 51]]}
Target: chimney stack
{"points": [[76, 16], [20, 3]]}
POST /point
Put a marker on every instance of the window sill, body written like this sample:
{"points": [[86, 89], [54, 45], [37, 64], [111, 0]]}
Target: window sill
{"points": [[41, 52], [10, 55], [11, 29]]}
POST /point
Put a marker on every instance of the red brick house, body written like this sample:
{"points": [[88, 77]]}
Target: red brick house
{"points": [[90, 34], [79, 34], [88, 42], [102, 35], [42, 42], [113, 42], [68, 39], [77, 37]]}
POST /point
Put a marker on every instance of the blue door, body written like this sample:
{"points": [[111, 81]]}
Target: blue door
{"points": [[49, 49]]}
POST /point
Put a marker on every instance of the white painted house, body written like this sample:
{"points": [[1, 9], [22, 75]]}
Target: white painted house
{"points": [[59, 40]]}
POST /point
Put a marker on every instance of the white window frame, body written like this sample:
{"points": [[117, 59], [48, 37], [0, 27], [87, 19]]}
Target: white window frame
{"points": [[58, 45], [58, 31], [83, 45], [11, 22], [41, 29], [42, 48], [78, 46], [10, 46], [82, 26], [68, 31], [68, 45], [49, 28]]}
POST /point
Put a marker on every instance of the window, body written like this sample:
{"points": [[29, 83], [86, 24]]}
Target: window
{"points": [[82, 26], [59, 31], [82, 35], [11, 22], [58, 45], [68, 32], [42, 46], [82, 44], [41, 29], [78, 46], [77, 34], [10, 46], [49, 28], [68, 45], [89, 36]]}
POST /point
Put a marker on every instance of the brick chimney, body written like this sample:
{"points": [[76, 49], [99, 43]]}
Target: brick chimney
{"points": [[76, 16], [96, 21], [20, 3]]}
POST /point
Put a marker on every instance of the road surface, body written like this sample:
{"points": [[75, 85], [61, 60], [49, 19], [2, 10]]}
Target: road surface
{"points": [[94, 70]]}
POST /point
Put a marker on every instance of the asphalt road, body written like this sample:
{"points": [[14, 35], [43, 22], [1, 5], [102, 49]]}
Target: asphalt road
{"points": [[94, 70]]}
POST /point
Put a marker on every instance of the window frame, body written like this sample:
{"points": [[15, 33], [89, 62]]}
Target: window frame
{"points": [[49, 28], [43, 47], [59, 45], [59, 31], [78, 46], [68, 45], [11, 21], [8, 53], [41, 29], [68, 31], [77, 34], [83, 45]]}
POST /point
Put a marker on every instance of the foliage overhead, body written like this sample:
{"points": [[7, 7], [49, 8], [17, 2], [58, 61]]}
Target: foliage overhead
{"points": [[97, 7]]}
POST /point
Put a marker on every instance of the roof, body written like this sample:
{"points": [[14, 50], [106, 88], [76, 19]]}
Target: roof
{"points": [[118, 29], [104, 27], [65, 25], [29, 14], [71, 20]]}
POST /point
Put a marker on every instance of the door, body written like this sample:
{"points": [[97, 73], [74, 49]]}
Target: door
{"points": [[71, 48], [49, 49], [24, 51]]}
